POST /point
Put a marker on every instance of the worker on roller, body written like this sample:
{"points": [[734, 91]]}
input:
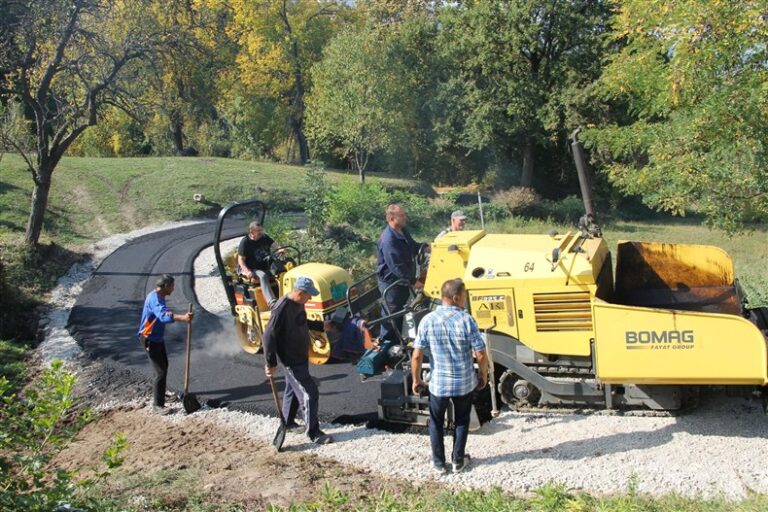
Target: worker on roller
{"points": [[253, 258], [287, 337], [451, 336], [154, 315], [458, 222], [396, 250]]}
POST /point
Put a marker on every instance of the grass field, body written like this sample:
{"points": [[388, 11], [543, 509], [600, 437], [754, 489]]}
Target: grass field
{"points": [[94, 197]]}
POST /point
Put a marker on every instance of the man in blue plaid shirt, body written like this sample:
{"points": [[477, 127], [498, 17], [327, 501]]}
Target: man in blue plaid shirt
{"points": [[451, 335]]}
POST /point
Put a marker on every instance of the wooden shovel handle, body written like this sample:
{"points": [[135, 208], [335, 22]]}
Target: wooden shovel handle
{"points": [[277, 399], [189, 351]]}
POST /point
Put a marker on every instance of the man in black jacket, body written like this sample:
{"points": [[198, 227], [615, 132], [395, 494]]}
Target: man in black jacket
{"points": [[287, 337]]}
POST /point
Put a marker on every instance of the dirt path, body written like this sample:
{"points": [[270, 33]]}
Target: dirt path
{"points": [[170, 459]]}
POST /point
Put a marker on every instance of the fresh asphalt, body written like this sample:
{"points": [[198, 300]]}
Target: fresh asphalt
{"points": [[106, 316]]}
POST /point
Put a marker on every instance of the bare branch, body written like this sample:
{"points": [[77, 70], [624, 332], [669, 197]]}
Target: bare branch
{"points": [[50, 72]]}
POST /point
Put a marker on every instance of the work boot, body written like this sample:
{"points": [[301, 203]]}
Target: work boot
{"points": [[439, 468], [458, 468], [321, 438], [160, 410], [292, 425]]}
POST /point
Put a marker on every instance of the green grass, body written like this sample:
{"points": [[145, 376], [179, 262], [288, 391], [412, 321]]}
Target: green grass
{"points": [[550, 498], [94, 197], [12, 362]]}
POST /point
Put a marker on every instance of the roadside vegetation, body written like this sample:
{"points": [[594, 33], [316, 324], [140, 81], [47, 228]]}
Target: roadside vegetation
{"points": [[550, 498]]}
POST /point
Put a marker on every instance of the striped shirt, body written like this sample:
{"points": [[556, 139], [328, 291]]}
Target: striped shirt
{"points": [[451, 335]]}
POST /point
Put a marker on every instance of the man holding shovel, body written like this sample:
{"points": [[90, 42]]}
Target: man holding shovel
{"points": [[287, 337], [151, 334]]}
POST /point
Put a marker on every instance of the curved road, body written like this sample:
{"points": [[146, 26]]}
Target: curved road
{"points": [[106, 315]]}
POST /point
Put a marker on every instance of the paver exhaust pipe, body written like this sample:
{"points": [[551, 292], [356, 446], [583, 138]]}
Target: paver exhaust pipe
{"points": [[588, 223]]}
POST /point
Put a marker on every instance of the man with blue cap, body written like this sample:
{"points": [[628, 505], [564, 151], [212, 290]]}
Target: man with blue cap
{"points": [[287, 337]]}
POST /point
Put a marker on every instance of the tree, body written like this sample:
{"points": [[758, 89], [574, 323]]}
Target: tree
{"points": [[694, 75], [357, 101], [516, 65], [278, 42], [180, 81], [65, 60]]}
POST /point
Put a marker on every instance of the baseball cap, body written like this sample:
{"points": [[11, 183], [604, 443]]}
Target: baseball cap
{"points": [[305, 284], [458, 214]]}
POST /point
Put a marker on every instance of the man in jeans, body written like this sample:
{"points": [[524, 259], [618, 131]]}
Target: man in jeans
{"points": [[154, 316], [451, 335]]}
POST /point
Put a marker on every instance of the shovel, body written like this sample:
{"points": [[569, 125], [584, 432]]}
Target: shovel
{"points": [[277, 442], [190, 402]]}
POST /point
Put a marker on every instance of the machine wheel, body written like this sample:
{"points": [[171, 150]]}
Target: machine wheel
{"points": [[250, 338], [319, 348], [516, 391]]}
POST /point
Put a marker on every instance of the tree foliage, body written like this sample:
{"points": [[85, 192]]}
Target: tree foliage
{"points": [[277, 42], [694, 75], [517, 66], [360, 95]]}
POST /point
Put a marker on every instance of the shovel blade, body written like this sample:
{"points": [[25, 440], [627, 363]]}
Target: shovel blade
{"points": [[191, 403], [277, 442]]}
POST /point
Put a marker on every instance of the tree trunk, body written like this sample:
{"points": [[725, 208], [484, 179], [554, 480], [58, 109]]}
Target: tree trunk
{"points": [[526, 180], [301, 139], [360, 161], [177, 128], [39, 205]]}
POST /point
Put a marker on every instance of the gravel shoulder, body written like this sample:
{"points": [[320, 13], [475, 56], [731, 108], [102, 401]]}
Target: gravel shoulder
{"points": [[718, 449]]}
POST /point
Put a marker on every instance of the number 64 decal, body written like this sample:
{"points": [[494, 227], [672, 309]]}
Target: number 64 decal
{"points": [[529, 266]]}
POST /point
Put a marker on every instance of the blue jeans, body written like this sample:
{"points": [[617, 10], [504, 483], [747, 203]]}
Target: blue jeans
{"points": [[462, 408]]}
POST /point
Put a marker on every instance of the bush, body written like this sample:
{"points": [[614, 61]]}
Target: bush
{"points": [[358, 258], [317, 205], [357, 204], [35, 427], [491, 212], [516, 199]]}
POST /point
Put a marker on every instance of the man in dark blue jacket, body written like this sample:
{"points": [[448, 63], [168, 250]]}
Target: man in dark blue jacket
{"points": [[154, 316], [396, 261]]}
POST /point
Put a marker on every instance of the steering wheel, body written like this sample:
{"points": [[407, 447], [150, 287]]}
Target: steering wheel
{"points": [[286, 257]]}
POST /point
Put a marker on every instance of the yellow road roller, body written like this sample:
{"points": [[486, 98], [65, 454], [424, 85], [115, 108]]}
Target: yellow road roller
{"points": [[248, 305]]}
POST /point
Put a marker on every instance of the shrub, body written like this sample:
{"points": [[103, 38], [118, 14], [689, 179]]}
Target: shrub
{"points": [[516, 199], [359, 257], [357, 204], [317, 206], [35, 427], [491, 212]]}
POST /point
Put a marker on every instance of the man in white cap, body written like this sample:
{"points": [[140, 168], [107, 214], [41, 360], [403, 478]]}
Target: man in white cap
{"points": [[458, 221], [287, 337]]}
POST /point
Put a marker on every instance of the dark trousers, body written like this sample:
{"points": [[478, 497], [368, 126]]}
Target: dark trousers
{"points": [[462, 408], [395, 299], [159, 359], [301, 393]]}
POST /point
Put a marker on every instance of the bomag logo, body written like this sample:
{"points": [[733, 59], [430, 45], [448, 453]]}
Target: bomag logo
{"points": [[660, 340]]}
